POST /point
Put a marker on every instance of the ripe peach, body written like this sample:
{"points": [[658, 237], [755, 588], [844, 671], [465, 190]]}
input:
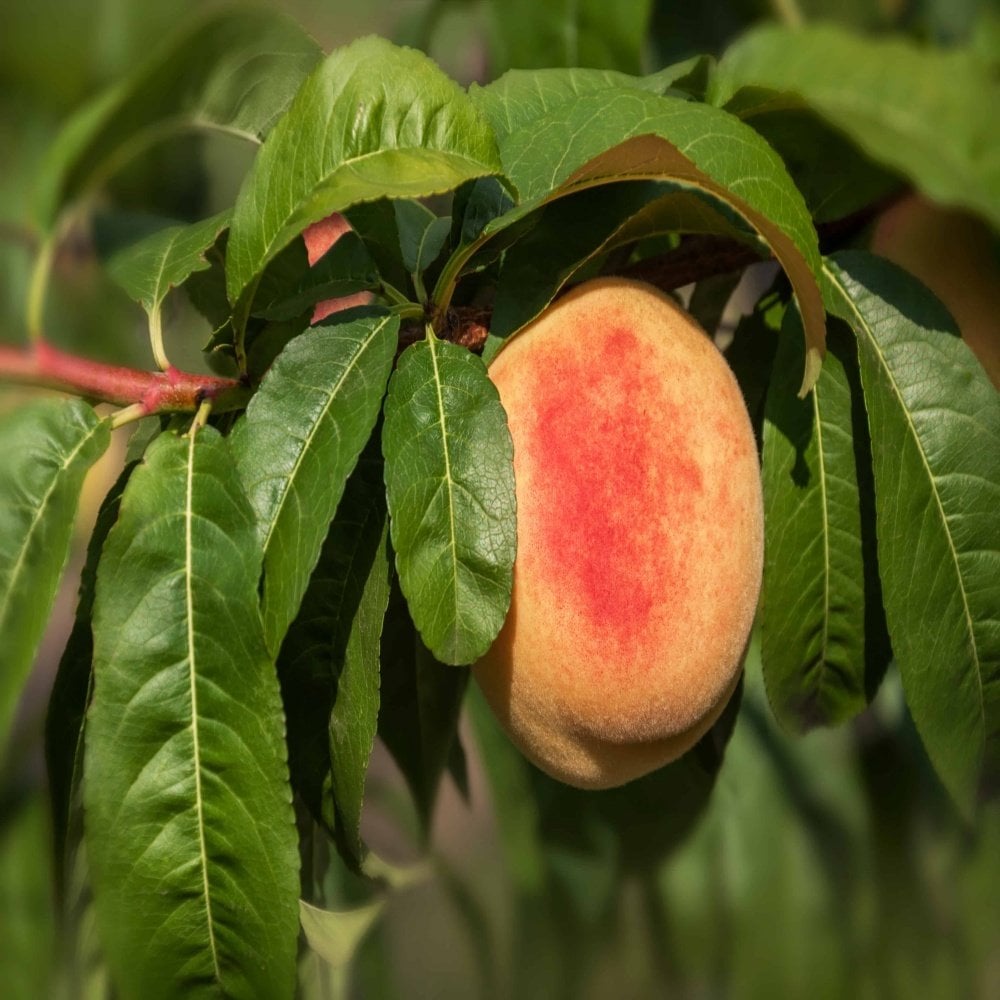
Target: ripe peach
{"points": [[639, 536], [958, 258]]}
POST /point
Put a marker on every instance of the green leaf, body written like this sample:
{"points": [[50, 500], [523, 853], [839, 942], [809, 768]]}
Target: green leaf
{"points": [[422, 234], [290, 287], [935, 433], [575, 230], [522, 96], [835, 177], [48, 447], [569, 33], [813, 602], [375, 223], [622, 134], [450, 486], [334, 935], [64, 721], [148, 270], [928, 114], [476, 204], [190, 832], [421, 702], [208, 76], [296, 445], [372, 121], [329, 665]]}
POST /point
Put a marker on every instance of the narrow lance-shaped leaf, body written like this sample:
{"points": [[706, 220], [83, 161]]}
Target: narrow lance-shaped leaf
{"points": [[47, 449], [935, 434], [450, 486], [928, 114], [625, 134], [329, 664], [296, 445], [64, 721], [372, 121], [209, 75], [813, 596], [190, 832]]}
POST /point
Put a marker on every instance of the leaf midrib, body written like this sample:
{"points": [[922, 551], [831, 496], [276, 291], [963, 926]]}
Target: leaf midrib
{"points": [[934, 493], [321, 417], [192, 675], [453, 543]]}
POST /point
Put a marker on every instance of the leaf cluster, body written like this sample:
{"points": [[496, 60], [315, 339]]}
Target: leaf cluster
{"points": [[267, 591]]}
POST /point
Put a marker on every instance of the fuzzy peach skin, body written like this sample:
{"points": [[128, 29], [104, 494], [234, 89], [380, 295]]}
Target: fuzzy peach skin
{"points": [[640, 539]]}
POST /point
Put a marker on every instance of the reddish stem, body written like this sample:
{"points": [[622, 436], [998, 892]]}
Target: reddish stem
{"points": [[156, 392]]}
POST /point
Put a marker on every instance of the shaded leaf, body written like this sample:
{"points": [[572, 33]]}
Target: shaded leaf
{"points": [[835, 177], [450, 486], [48, 447], [372, 121], [812, 614], [422, 234], [296, 445], [190, 831], [290, 286], [64, 721], [569, 33], [935, 435], [421, 702], [926, 113], [207, 76], [575, 230], [330, 658]]}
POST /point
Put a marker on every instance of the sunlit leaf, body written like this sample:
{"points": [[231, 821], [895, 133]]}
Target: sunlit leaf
{"points": [[190, 832], [296, 445], [372, 121], [450, 485]]}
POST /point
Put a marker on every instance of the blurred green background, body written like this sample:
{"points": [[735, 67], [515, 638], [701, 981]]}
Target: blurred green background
{"points": [[826, 866]]}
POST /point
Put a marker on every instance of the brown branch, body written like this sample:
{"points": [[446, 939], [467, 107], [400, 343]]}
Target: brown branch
{"points": [[697, 258], [171, 391]]}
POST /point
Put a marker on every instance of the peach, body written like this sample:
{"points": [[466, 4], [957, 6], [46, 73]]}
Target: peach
{"points": [[957, 257], [640, 541]]}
